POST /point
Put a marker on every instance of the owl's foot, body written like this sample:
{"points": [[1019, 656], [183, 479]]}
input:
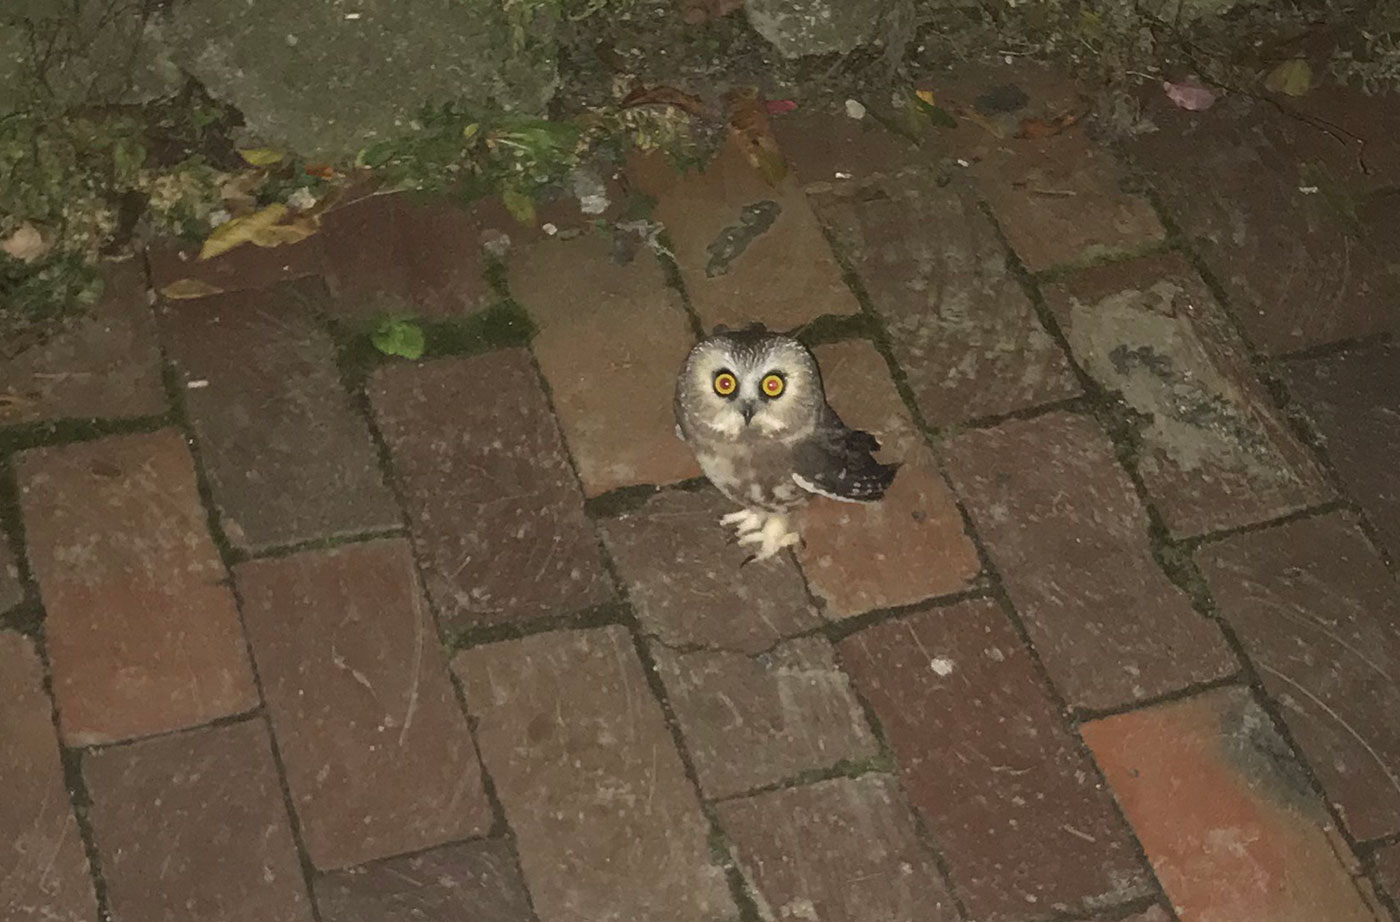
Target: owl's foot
{"points": [[745, 521], [771, 537]]}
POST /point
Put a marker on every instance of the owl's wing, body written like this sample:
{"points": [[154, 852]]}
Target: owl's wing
{"points": [[838, 462]]}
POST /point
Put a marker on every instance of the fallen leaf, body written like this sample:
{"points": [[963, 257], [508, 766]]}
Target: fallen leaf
{"points": [[665, 96], [1291, 78], [261, 156], [396, 336], [1034, 128], [521, 205], [925, 97], [293, 231], [748, 124], [1189, 95], [780, 106], [937, 114], [265, 228], [321, 170], [185, 289], [26, 244]]}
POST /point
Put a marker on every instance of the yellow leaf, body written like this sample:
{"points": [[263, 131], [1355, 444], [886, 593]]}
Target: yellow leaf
{"points": [[926, 96], [237, 231], [520, 204], [1291, 78], [184, 289], [291, 232], [470, 131], [261, 156]]}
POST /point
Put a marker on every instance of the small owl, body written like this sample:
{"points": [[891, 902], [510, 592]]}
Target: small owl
{"points": [[750, 405]]}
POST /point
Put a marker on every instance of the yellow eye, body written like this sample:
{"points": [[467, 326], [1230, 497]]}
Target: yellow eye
{"points": [[772, 385], [725, 384]]}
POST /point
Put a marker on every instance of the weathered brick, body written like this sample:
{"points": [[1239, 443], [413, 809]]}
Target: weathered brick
{"points": [[961, 327], [141, 626], [911, 545], [378, 756], [1024, 824], [746, 250], [43, 867], [495, 509], [1316, 611], [684, 577], [844, 850], [1225, 815], [1064, 527], [404, 253], [611, 340], [607, 826], [752, 721], [192, 826], [106, 365], [476, 881], [243, 268], [826, 146], [1354, 400], [1215, 452], [11, 586], [287, 456], [1298, 270], [1386, 862]]}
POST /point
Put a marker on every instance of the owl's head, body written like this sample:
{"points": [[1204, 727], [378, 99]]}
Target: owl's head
{"points": [[751, 384]]}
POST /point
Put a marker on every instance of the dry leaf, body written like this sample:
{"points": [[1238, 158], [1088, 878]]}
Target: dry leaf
{"points": [[264, 228], [261, 156], [26, 244], [1034, 128], [748, 123], [293, 231], [185, 289], [780, 106], [1291, 78], [665, 96], [1189, 95], [926, 97]]}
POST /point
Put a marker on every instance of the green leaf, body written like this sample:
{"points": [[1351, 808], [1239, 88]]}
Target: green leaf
{"points": [[937, 114], [1291, 78], [519, 203], [396, 336], [376, 155]]}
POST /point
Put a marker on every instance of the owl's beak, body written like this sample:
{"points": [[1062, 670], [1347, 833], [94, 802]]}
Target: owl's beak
{"points": [[747, 408]]}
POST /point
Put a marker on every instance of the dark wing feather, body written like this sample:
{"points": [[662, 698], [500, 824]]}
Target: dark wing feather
{"points": [[838, 462]]}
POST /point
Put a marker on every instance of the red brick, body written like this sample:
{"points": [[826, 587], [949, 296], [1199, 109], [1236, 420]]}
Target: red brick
{"points": [[1354, 400], [243, 268], [753, 721], [287, 456], [141, 627], [1216, 453], [961, 327], [106, 365], [1225, 815], [476, 881], [378, 756], [911, 545], [495, 508], [844, 850], [784, 276], [1316, 611], [610, 341], [192, 826], [684, 576], [1062, 524], [607, 826], [43, 866], [825, 146], [1024, 824]]}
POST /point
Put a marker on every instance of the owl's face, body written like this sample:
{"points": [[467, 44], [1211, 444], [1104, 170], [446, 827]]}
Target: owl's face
{"points": [[742, 385]]}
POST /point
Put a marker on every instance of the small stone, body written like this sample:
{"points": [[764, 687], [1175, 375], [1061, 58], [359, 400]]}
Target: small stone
{"points": [[855, 109], [1225, 815]]}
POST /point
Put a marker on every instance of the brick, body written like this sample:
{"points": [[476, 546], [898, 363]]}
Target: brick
{"points": [[1150, 914], [287, 456], [911, 545], [607, 827], [736, 271], [404, 253], [1225, 816], [610, 341], [1297, 271], [43, 864], [753, 721], [106, 365], [11, 584], [495, 509], [1025, 826], [243, 268], [1316, 611], [141, 627], [377, 753], [1216, 454], [961, 327], [683, 575], [192, 826], [1353, 398], [479, 881], [1063, 525], [824, 146], [1386, 861], [844, 850]]}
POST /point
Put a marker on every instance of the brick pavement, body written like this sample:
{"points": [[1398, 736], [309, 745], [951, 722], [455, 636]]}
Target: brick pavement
{"points": [[286, 634]]}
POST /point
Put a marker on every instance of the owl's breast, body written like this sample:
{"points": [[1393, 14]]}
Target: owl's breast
{"points": [[755, 474]]}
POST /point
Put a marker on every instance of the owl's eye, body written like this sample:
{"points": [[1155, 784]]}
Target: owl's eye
{"points": [[726, 384], [772, 385]]}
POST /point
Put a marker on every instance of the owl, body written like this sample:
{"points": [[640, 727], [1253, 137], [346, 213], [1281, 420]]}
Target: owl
{"points": [[750, 405]]}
